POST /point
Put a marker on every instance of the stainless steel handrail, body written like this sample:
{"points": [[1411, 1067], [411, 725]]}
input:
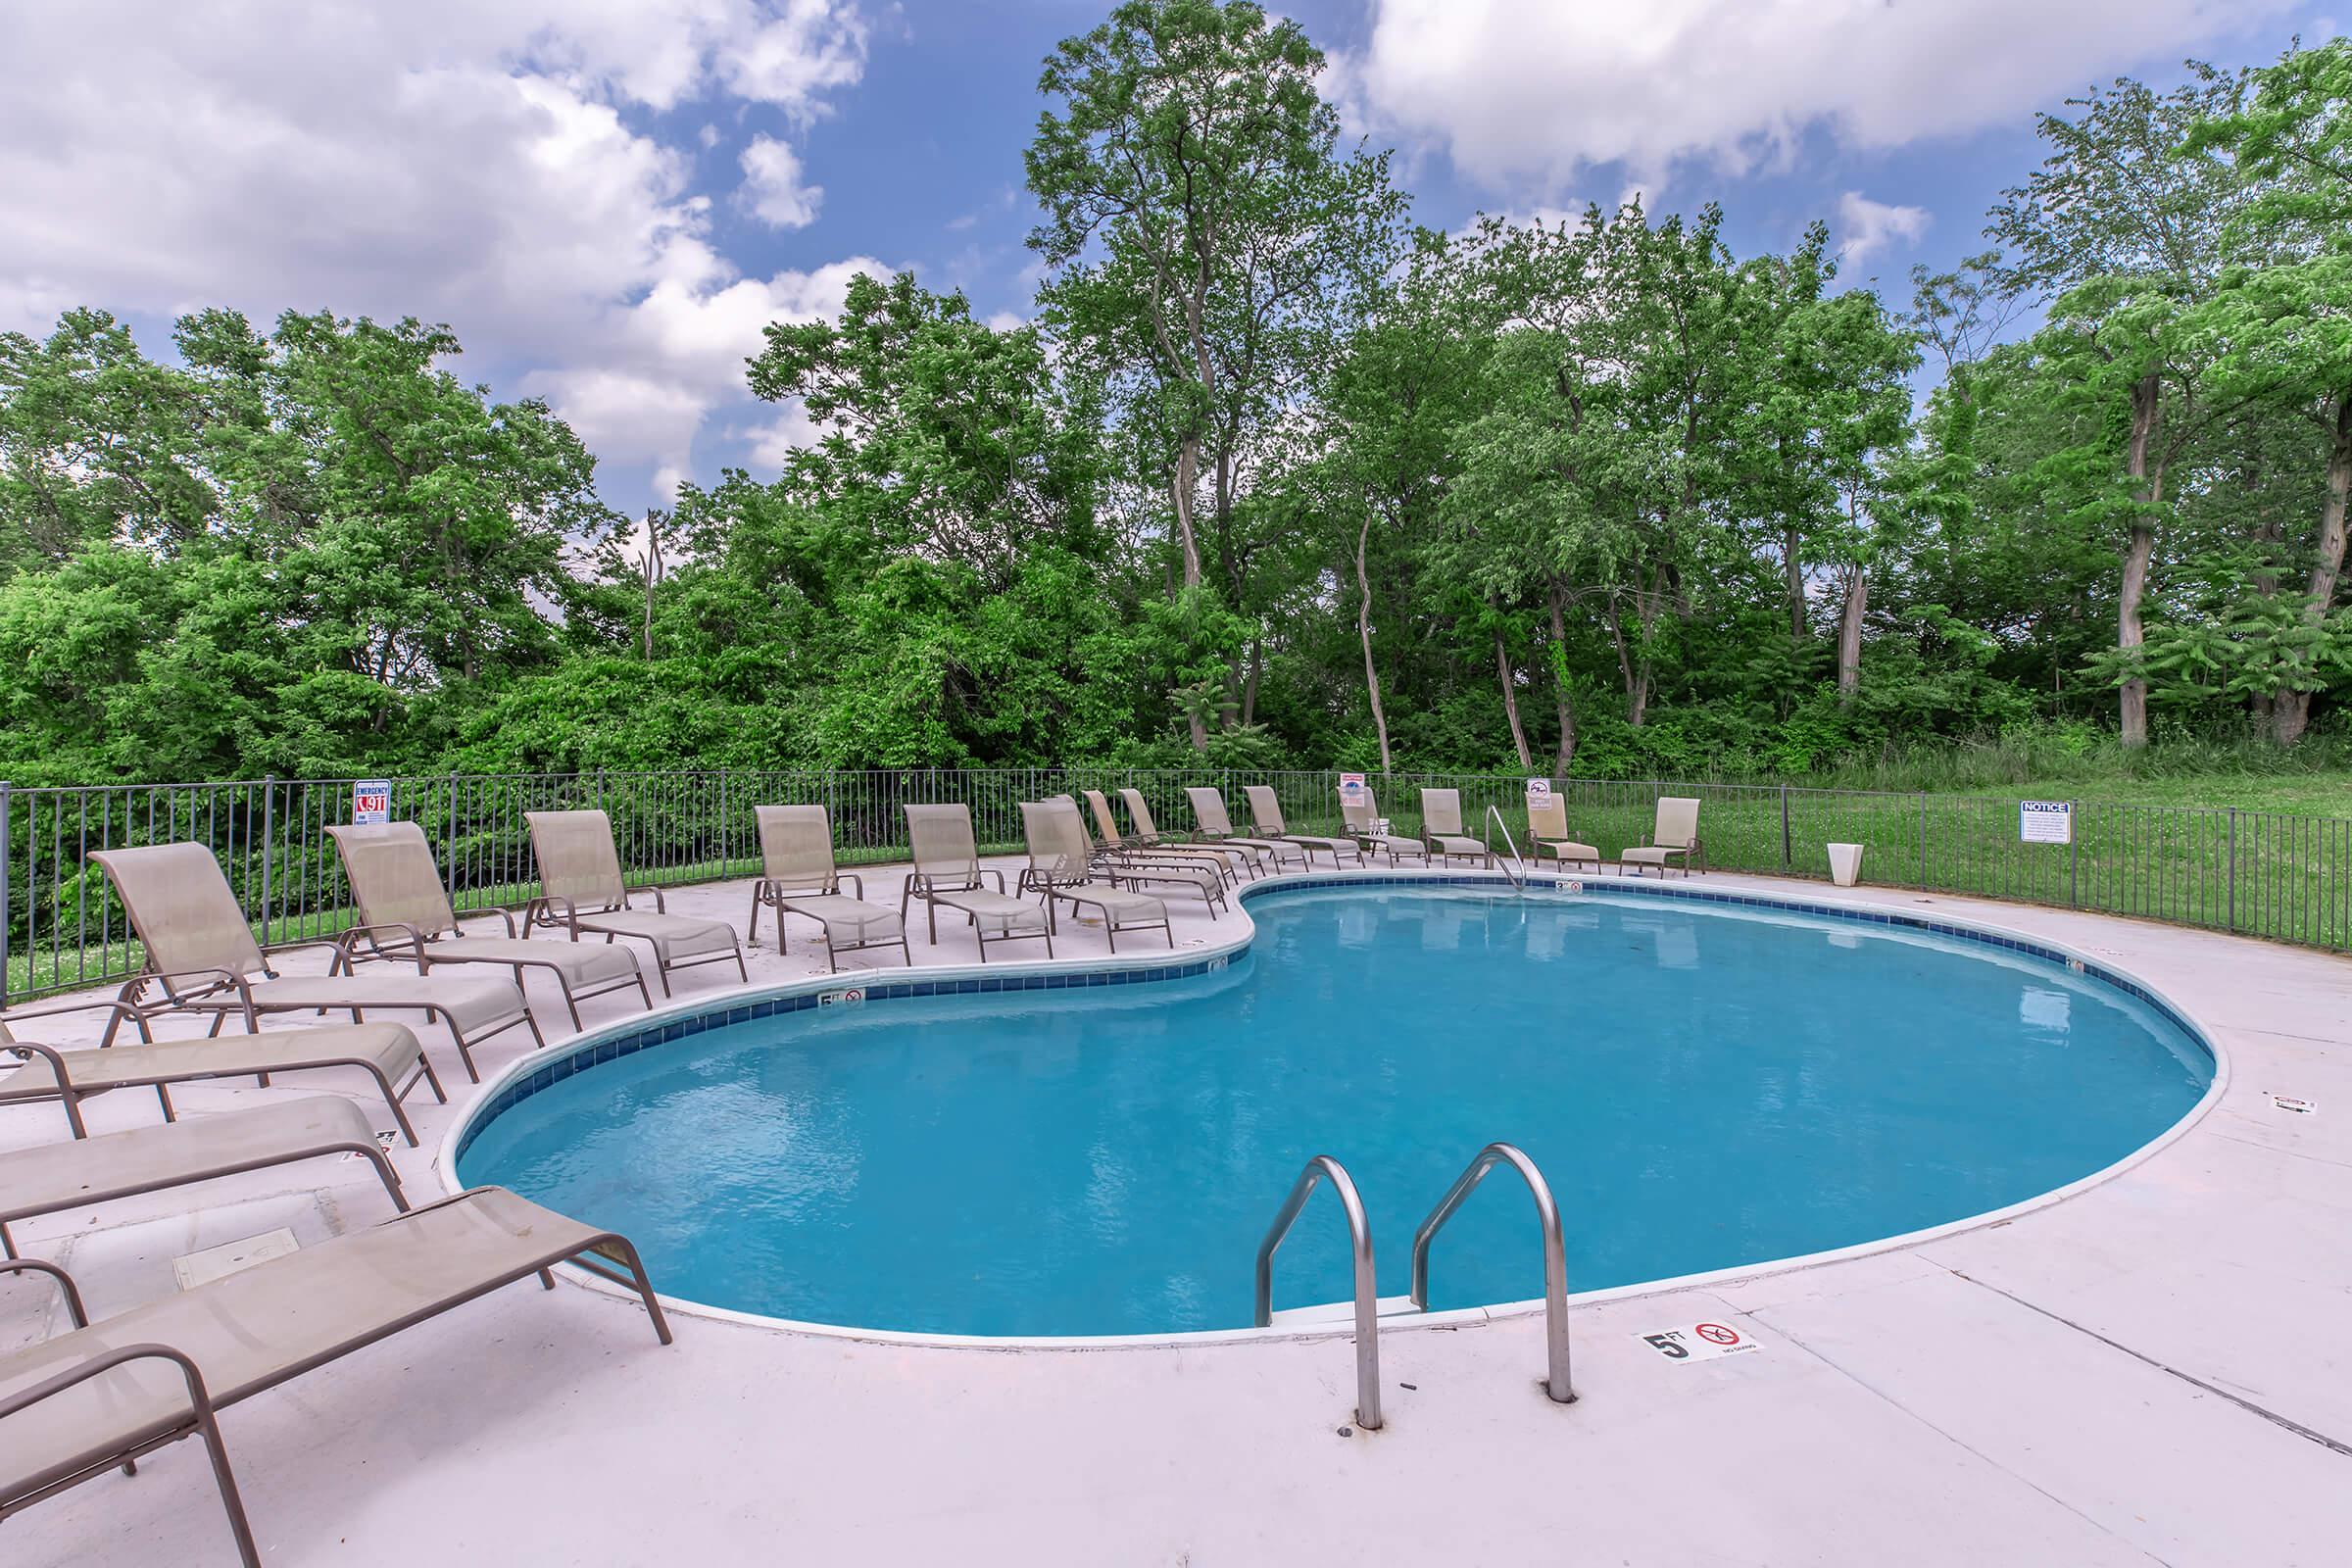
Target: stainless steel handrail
{"points": [[1320, 1169], [1518, 877], [1555, 1255]]}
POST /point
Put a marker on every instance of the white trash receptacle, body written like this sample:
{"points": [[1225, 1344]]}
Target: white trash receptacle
{"points": [[1846, 863]]}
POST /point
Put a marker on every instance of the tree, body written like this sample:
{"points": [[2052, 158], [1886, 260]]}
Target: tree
{"points": [[1210, 240], [2129, 236]]}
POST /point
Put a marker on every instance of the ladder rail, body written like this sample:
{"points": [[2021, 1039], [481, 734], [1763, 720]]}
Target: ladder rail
{"points": [[1555, 1255], [1518, 877], [1318, 1170]]}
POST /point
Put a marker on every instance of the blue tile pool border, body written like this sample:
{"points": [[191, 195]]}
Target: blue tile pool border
{"points": [[624, 1040]]}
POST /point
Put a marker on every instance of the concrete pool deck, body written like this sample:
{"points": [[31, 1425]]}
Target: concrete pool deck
{"points": [[2152, 1370]]}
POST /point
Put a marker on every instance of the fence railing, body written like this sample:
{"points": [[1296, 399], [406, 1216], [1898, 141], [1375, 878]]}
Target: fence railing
{"points": [[2266, 874]]}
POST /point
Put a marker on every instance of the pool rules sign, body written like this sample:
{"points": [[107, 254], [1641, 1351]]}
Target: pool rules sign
{"points": [[2045, 821]]}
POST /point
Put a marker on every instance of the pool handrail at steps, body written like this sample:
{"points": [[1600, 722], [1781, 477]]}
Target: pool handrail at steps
{"points": [[1516, 867], [1318, 1170], [1555, 1256]]}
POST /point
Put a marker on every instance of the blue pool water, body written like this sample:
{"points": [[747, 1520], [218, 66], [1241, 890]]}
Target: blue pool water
{"points": [[1704, 1086]]}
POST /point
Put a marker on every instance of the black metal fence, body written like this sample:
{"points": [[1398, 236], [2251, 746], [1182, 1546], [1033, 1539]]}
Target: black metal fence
{"points": [[2266, 874]]}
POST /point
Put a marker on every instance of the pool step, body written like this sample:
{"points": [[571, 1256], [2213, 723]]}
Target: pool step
{"points": [[1323, 1312]]}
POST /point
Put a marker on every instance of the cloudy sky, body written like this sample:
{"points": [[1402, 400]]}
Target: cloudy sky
{"points": [[608, 198]]}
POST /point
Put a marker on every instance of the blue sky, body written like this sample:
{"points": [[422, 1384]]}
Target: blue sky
{"points": [[608, 198]]}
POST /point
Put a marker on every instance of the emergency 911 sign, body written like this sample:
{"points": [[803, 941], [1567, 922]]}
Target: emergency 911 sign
{"points": [[2045, 821], [371, 802]]}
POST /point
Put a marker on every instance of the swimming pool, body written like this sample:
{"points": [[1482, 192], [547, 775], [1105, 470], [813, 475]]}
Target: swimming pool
{"points": [[1705, 1085]]}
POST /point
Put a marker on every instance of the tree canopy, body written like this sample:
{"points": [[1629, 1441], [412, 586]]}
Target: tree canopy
{"points": [[1272, 477]]}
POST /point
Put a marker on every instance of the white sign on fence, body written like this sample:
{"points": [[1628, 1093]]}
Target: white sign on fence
{"points": [[370, 802], [1351, 788], [2045, 821], [1539, 794]]}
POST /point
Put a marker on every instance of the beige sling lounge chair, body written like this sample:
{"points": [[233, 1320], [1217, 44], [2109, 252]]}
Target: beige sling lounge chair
{"points": [[1265, 816], [1116, 844], [798, 876], [1673, 840], [1237, 856], [386, 1051], [202, 956], [581, 894], [1208, 810], [948, 873], [1059, 871], [1442, 820], [1548, 833], [101, 1396], [406, 914], [1139, 868], [1360, 815], [48, 1177]]}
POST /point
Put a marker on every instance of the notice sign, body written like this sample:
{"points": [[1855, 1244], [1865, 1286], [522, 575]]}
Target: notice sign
{"points": [[1700, 1342], [2045, 821], [370, 802], [1538, 795], [1351, 788]]}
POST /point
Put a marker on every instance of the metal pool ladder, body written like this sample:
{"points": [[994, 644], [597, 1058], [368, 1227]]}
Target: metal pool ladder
{"points": [[1323, 1168], [1518, 876], [1556, 1258]]}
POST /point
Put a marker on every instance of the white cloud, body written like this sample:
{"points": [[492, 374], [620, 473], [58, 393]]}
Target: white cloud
{"points": [[1869, 226], [1523, 94], [480, 163], [774, 187]]}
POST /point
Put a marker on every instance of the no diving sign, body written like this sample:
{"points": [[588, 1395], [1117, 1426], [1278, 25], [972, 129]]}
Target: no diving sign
{"points": [[1700, 1342]]}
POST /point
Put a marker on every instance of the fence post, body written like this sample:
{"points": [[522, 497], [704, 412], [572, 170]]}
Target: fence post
{"points": [[8, 852], [2073, 853], [1787, 858], [449, 854], [1923, 840], [724, 865], [2233, 868], [269, 823]]}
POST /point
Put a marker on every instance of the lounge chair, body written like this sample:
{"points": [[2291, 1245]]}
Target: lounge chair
{"points": [[1673, 840], [1058, 869], [104, 1394], [798, 876], [1547, 836], [1209, 811], [1138, 868], [581, 894], [1265, 816], [384, 1051], [48, 1177], [1442, 820], [202, 956], [948, 872], [406, 914], [1239, 856], [1361, 813], [1200, 858]]}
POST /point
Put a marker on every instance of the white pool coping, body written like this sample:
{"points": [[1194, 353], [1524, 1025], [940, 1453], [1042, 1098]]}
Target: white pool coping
{"points": [[475, 1105]]}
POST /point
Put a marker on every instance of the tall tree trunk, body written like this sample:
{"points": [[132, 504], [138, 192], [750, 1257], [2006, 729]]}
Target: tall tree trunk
{"points": [[1510, 700], [1257, 665], [2147, 395], [1188, 469], [1363, 629], [1849, 635], [1794, 567], [2292, 714], [1562, 696], [1636, 674]]}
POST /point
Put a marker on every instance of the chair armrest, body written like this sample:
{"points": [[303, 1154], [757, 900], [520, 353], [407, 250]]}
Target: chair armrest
{"points": [[122, 1009], [65, 1284], [348, 939], [199, 1399], [853, 879], [507, 915]]}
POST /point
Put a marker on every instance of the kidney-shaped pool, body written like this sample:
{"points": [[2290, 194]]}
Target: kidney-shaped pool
{"points": [[1703, 1085]]}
